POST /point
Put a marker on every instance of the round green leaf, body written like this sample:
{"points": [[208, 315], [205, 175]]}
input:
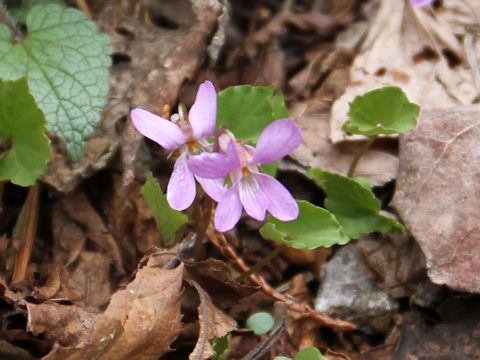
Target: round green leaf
{"points": [[281, 358], [309, 353], [314, 227], [354, 205], [65, 60], [246, 110], [260, 323], [23, 125], [382, 111]]}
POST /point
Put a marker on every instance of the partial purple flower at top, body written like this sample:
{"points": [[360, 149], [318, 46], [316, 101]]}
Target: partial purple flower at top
{"points": [[420, 3], [252, 190], [188, 136]]}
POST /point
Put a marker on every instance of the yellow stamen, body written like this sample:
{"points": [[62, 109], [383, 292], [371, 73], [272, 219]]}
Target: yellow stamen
{"points": [[192, 144]]}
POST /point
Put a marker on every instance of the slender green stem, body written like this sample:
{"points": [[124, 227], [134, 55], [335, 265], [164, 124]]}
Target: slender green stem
{"points": [[359, 155], [6, 19], [261, 263]]}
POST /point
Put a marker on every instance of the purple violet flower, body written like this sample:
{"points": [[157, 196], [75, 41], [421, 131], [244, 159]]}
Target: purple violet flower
{"points": [[420, 3], [252, 190], [189, 137]]}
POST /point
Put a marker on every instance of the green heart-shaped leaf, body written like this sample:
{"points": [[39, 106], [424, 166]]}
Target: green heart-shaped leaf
{"points": [[354, 205], [382, 111], [314, 227]]}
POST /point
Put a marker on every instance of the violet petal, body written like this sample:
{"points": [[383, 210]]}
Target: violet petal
{"points": [[203, 113], [215, 188], [215, 165], [278, 140], [420, 3], [281, 203], [229, 210], [164, 132], [253, 199], [181, 187]]}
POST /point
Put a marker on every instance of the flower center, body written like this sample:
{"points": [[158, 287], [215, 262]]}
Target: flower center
{"points": [[193, 145]]}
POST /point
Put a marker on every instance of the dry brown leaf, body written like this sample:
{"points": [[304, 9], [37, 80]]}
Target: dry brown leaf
{"points": [[140, 322], [317, 151], [91, 279], [78, 208], [215, 277], [65, 324], [392, 54], [68, 237], [213, 323], [437, 194]]}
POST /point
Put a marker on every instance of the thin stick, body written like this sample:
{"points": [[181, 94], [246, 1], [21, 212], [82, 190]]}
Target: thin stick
{"points": [[219, 240], [27, 234], [357, 158], [255, 268]]}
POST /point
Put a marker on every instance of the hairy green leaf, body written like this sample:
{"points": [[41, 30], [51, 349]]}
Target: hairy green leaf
{"points": [[355, 206], [382, 111], [246, 110], [20, 13], [260, 322], [168, 220], [65, 60], [314, 227], [22, 131]]}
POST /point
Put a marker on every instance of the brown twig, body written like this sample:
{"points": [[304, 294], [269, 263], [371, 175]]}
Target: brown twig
{"points": [[27, 235], [219, 240], [255, 268]]}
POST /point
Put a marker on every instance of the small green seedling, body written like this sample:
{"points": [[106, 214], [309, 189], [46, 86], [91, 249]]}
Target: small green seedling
{"points": [[260, 323], [308, 353]]}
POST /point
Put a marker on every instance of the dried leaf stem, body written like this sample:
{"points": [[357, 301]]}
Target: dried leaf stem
{"points": [[27, 234], [359, 155], [219, 240]]}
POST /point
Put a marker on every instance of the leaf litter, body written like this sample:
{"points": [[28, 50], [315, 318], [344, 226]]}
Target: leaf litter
{"points": [[101, 288]]}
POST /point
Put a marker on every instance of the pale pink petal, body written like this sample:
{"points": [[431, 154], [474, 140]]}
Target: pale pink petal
{"points": [[278, 140], [253, 199], [281, 203], [215, 165], [215, 188], [203, 113], [164, 132], [181, 187], [229, 210], [420, 3]]}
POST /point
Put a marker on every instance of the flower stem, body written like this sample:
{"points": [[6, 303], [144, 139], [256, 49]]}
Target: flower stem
{"points": [[261, 263], [359, 155], [202, 220], [6, 19]]}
